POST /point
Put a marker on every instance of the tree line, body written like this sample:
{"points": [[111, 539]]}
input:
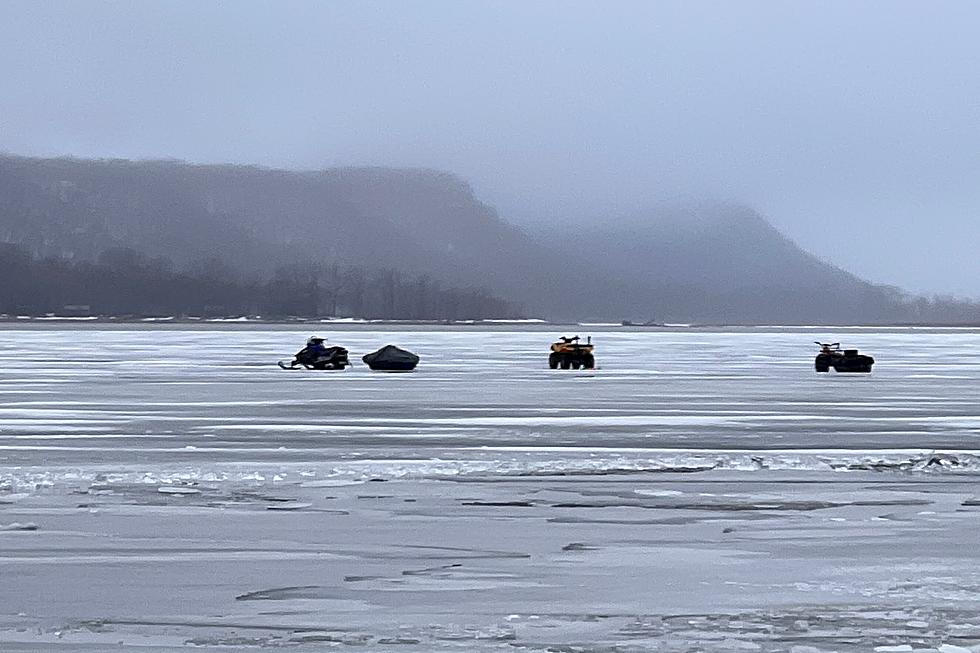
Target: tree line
{"points": [[123, 282]]}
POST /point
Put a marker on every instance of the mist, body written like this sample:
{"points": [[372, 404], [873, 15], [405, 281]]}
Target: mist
{"points": [[852, 126]]}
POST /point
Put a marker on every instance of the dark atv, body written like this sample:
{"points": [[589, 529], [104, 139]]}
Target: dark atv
{"points": [[567, 353], [848, 360], [331, 358]]}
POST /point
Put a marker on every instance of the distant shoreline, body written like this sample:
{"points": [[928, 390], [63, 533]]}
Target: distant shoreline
{"points": [[256, 324]]}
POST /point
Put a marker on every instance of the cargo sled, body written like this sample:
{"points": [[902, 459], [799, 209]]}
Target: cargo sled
{"points": [[391, 359]]}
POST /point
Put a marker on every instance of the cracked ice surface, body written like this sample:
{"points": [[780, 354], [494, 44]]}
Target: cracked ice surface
{"points": [[172, 490]]}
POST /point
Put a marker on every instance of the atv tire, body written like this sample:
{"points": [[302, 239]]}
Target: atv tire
{"points": [[553, 360], [565, 364]]}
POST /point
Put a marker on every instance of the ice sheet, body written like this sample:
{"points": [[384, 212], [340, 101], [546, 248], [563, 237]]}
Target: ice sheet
{"points": [[171, 489]]}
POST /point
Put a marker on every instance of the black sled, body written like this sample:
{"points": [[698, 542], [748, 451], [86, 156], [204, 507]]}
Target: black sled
{"points": [[391, 359]]}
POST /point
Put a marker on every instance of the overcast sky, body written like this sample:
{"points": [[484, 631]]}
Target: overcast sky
{"points": [[854, 126]]}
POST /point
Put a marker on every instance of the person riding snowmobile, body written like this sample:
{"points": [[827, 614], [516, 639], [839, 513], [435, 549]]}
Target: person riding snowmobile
{"points": [[312, 352], [319, 357], [316, 356], [314, 345]]}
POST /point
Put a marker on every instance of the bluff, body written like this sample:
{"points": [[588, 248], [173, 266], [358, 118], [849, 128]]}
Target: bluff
{"points": [[725, 263], [706, 263]]}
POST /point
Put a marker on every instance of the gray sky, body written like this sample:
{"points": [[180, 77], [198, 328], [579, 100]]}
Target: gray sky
{"points": [[854, 126]]}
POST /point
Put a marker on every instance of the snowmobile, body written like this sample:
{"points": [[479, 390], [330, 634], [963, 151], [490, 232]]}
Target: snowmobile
{"points": [[318, 358], [391, 359], [848, 360], [568, 353]]}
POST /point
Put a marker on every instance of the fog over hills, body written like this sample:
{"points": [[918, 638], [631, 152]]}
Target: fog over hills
{"points": [[851, 126], [717, 262], [703, 262]]}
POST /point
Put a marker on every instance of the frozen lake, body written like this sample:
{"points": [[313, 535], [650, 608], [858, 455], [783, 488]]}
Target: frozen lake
{"points": [[701, 490]]}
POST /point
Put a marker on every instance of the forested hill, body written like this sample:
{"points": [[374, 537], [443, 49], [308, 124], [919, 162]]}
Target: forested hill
{"points": [[123, 283], [723, 263], [418, 222], [710, 263]]}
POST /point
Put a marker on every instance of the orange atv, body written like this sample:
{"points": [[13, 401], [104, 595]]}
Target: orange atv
{"points": [[568, 353]]}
